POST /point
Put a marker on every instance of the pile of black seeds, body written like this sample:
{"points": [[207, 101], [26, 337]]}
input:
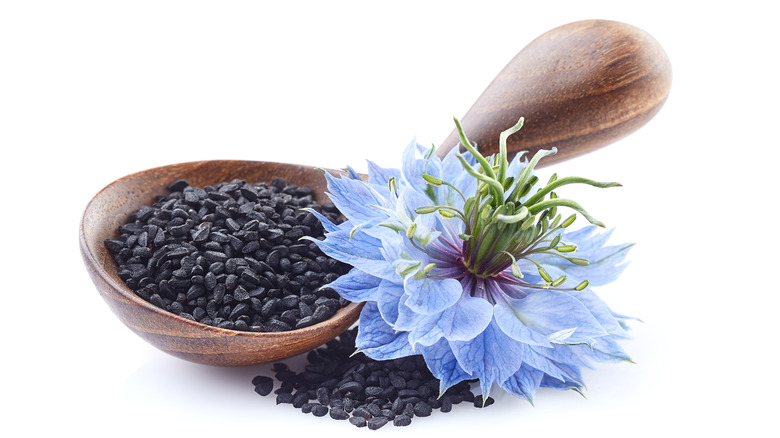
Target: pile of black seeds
{"points": [[230, 256], [361, 390]]}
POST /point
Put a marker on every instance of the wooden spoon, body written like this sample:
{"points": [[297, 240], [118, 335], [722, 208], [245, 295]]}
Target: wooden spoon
{"points": [[579, 86]]}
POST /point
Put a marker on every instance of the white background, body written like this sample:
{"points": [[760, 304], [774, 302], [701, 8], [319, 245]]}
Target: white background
{"points": [[93, 91]]}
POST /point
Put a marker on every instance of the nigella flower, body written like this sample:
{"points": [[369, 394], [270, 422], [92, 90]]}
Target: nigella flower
{"points": [[467, 261]]}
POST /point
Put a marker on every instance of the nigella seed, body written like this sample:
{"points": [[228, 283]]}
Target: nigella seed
{"points": [[374, 409], [321, 313], [275, 325], [323, 395], [402, 420], [319, 410], [422, 409], [299, 399], [446, 404], [362, 412], [352, 386], [240, 294], [338, 414], [263, 385], [284, 397], [478, 401], [373, 391], [376, 422], [358, 421]]}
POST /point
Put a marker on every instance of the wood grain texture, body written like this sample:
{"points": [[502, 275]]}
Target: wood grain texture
{"points": [[169, 332], [580, 87]]}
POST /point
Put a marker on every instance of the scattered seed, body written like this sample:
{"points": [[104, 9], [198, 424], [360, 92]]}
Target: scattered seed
{"points": [[364, 390], [263, 385]]}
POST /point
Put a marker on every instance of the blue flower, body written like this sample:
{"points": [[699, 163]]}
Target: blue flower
{"points": [[466, 261]]}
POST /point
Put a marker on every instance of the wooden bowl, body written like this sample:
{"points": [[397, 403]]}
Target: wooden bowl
{"points": [[175, 335]]}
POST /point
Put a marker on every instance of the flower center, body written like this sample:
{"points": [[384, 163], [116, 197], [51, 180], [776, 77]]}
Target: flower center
{"points": [[509, 219]]}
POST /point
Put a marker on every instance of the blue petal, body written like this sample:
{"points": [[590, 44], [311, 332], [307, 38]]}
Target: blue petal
{"points": [[492, 356], [554, 314], [326, 223], [524, 383], [599, 310], [608, 350], [377, 339], [352, 174], [443, 364], [537, 358], [510, 324], [453, 173], [462, 321], [356, 199], [428, 296], [550, 382], [381, 176], [414, 168], [388, 295], [408, 319], [605, 261], [356, 286], [360, 250]]}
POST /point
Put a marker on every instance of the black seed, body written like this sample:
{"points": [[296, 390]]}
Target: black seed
{"points": [[351, 386], [321, 313], [323, 395], [285, 265], [319, 410], [299, 267], [214, 256], [304, 322], [362, 412], [422, 409], [284, 397], [478, 401], [231, 281], [338, 414], [176, 307], [239, 310], [405, 393], [373, 391], [376, 422], [275, 325], [157, 301], [240, 294], [374, 409], [300, 399], [114, 246], [263, 385], [402, 420], [178, 185], [446, 403], [358, 421]]}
